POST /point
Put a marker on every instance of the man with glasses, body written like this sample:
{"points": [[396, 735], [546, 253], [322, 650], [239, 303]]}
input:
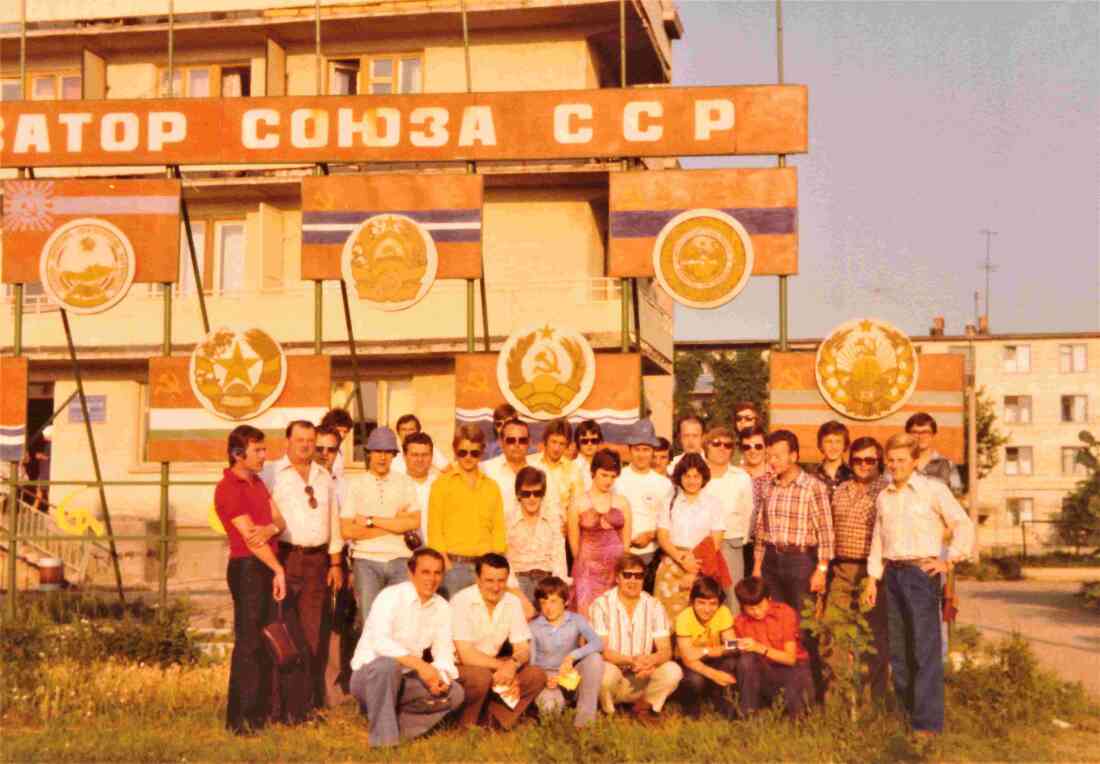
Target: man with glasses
{"points": [[637, 639], [418, 449], [853, 523], [514, 440], [465, 511], [340, 421], [731, 486], [690, 431], [336, 665], [501, 414], [409, 424], [382, 507], [310, 549], [745, 416], [646, 491], [588, 437], [931, 463], [755, 462]]}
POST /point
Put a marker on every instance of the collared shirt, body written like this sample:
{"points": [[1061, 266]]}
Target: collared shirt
{"points": [[472, 622], [843, 474], [439, 462], [564, 483], [551, 644], [386, 496], [464, 519], [504, 476], [797, 514], [910, 523], [400, 624], [423, 494], [236, 496], [707, 634], [646, 492], [690, 520], [305, 525], [854, 516], [761, 489], [537, 546], [630, 635], [585, 467], [733, 490], [778, 627]]}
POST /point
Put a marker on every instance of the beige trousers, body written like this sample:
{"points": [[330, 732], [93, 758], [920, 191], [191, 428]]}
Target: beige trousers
{"points": [[617, 687]]}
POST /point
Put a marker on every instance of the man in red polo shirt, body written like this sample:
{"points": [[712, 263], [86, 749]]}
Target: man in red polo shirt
{"points": [[771, 657], [256, 579]]}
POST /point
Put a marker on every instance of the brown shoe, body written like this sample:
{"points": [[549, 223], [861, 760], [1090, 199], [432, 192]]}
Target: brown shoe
{"points": [[645, 715]]}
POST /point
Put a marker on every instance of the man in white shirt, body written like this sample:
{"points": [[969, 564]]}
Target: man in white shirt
{"points": [[732, 487], [404, 663], [494, 648], [514, 440], [418, 448], [341, 421], [409, 424], [690, 431], [637, 644], [381, 508], [340, 636], [564, 483], [646, 490], [311, 547], [913, 513]]}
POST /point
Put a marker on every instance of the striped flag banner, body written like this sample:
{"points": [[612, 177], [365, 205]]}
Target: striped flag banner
{"points": [[181, 430], [13, 408], [797, 405], [613, 402], [448, 207], [764, 201], [146, 211]]}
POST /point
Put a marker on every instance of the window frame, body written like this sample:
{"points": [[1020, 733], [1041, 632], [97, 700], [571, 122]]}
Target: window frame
{"points": [[1017, 512], [1072, 366], [1072, 397], [1015, 359], [1018, 461], [216, 254], [1029, 409], [365, 78], [215, 71], [1075, 469], [58, 75]]}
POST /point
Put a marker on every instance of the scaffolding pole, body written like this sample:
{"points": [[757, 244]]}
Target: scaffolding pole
{"points": [[360, 418], [471, 168], [781, 161]]}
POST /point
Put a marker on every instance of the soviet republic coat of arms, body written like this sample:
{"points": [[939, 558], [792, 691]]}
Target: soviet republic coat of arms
{"points": [[87, 265], [866, 369], [546, 372], [390, 260], [237, 374]]}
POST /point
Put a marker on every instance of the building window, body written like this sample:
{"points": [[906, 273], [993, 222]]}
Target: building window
{"points": [[343, 77], [1016, 359], [1021, 509], [1018, 460], [375, 75], [1070, 465], [1017, 409], [1072, 358], [185, 284], [1075, 408], [9, 90], [207, 81], [229, 250], [46, 86]]}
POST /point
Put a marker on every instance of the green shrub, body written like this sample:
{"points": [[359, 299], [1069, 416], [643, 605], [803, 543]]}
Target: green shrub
{"points": [[1009, 568], [1090, 593]]}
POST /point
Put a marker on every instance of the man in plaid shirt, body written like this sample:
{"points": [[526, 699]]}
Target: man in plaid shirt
{"points": [[794, 535]]}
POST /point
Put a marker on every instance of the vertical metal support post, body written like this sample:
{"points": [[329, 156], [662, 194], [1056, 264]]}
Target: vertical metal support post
{"points": [[624, 325], [319, 316], [196, 274], [95, 454], [972, 453], [17, 322], [470, 347], [171, 48], [783, 314], [12, 500], [318, 83], [622, 43], [23, 50], [471, 168], [162, 545], [781, 161], [360, 421]]}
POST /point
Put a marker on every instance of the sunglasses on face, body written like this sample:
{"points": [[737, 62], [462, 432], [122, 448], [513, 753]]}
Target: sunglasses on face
{"points": [[745, 417], [312, 498], [752, 446], [726, 444], [636, 575], [530, 494], [512, 441], [327, 449], [462, 453], [588, 441], [868, 461]]}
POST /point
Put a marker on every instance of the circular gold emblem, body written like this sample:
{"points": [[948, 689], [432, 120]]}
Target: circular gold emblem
{"points": [[546, 372], [703, 258], [237, 374], [391, 261], [866, 369], [87, 265]]}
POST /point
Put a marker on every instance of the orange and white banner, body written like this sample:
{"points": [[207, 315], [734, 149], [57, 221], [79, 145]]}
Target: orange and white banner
{"points": [[13, 408]]}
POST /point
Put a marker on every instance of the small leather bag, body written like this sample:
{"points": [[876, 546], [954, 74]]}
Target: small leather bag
{"points": [[413, 540], [284, 650]]}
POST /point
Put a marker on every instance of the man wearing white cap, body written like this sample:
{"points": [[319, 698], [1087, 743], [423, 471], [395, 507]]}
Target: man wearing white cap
{"points": [[645, 489]]}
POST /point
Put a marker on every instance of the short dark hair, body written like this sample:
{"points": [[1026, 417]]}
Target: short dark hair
{"points": [[558, 427], [587, 427], [405, 419], [784, 436], [690, 462], [549, 587], [337, 418], [746, 405], [629, 562], [514, 422], [922, 419], [502, 412], [323, 430], [530, 476], [706, 588], [417, 439], [752, 432], [424, 551], [303, 423], [493, 560], [833, 427], [238, 440], [607, 459], [663, 444], [470, 432], [751, 591], [689, 418], [862, 444]]}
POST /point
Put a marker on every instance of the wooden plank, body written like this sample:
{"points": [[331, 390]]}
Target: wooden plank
{"points": [[275, 69], [675, 121], [93, 76]]}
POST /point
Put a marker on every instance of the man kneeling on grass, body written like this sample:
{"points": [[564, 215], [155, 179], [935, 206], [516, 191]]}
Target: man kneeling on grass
{"points": [[771, 658], [702, 631], [404, 665]]}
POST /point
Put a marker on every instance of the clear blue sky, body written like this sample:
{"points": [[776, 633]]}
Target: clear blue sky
{"points": [[928, 122]]}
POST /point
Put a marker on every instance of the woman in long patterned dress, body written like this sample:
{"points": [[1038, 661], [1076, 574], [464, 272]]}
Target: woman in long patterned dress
{"points": [[599, 532]]}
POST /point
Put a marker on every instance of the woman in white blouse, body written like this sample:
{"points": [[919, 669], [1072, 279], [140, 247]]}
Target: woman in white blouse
{"points": [[687, 522]]}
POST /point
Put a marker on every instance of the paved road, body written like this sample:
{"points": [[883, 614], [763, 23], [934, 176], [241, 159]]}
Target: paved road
{"points": [[1065, 636]]}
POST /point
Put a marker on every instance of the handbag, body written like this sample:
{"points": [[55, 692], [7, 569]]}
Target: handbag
{"points": [[284, 650]]}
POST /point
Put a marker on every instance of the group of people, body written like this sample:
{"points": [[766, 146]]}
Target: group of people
{"points": [[508, 579]]}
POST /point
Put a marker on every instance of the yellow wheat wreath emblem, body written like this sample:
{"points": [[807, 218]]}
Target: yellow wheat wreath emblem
{"points": [[866, 369], [537, 381]]}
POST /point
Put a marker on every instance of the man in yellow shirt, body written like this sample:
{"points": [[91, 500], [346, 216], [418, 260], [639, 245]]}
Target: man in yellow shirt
{"points": [[701, 634], [465, 512]]}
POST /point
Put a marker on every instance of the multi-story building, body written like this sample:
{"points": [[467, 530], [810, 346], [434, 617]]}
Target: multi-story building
{"points": [[545, 223], [1043, 387]]}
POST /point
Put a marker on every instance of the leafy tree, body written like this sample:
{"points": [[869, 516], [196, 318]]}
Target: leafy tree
{"points": [[687, 368], [1080, 516], [740, 376], [990, 439]]}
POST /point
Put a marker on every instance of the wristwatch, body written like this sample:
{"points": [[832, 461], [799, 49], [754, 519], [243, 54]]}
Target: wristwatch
{"points": [[823, 567], [370, 521]]}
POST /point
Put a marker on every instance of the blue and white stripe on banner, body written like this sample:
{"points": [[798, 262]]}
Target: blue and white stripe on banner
{"points": [[11, 443]]}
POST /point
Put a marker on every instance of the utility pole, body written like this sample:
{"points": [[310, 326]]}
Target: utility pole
{"points": [[988, 265]]}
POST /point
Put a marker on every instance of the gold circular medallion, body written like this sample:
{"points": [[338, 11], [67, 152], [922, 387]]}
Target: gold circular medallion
{"points": [[87, 265], [237, 374], [390, 260], [703, 258], [546, 372], [866, 369]]}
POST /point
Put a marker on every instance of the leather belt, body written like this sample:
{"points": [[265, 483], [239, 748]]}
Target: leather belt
{"points": [[792, 548], [912, 562], [853, 560], [319, 549], [534, 573]]}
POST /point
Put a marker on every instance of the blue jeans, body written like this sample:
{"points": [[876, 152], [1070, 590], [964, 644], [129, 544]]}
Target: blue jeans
{"points": [[588, 692], [371, 577], [788, 575], [913, 613]]}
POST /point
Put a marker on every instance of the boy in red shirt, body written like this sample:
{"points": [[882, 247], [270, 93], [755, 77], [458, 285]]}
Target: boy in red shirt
{"points": [[771, 657]]}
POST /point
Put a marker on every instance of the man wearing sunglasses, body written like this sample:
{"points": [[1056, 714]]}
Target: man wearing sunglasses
{"points": [[514, 439], [382, 507], [754, 461], [310, 549], [731, 486], [853, 523], [465, 511], [588, 437], [501, 414]]}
